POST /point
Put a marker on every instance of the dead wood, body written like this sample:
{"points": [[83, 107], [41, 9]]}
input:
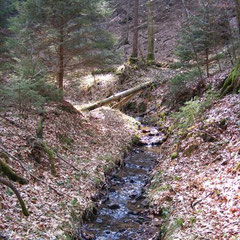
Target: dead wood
{"points": [[34, 177], [120, 95], [10, 185]]}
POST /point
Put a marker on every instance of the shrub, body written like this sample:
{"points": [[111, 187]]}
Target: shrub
{"points": [[187, 114]]}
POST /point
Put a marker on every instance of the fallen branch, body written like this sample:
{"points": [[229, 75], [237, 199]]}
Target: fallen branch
{"points": [[193, 204], [10, 185], [71, 165]]}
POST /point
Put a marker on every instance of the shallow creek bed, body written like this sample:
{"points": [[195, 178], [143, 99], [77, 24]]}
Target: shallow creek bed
{"points": [[123, 210]]}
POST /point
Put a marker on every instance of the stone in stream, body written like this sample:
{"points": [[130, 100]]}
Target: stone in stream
{"points": [[113, 206]]}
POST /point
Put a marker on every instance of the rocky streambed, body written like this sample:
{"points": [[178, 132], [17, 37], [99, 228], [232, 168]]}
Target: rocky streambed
{"points": [[123, 210]]}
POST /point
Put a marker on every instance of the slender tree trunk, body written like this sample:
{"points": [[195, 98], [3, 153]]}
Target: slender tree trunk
{"points": [[191, 42], [237, 2], [150, 47], [134, 55], [207, 61], [61, 57], [127, 23]]}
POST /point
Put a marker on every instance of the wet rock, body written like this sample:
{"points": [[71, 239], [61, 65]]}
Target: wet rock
{"points": [[133, 212], [140, 197], [111, 189], [99, 220], [105, 199], [132, 196], [113, 206], [157, 222]]}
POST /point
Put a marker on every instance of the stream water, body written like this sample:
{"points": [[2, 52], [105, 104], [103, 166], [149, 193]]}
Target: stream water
{"points": [[123, 212]]}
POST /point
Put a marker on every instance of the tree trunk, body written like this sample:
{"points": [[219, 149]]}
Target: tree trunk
{"points": [[237, 3], [150, 47], [127, 23], [125, 30], [134, 55], [118, 96], [191, 41], [61, 58], [207, 61]]}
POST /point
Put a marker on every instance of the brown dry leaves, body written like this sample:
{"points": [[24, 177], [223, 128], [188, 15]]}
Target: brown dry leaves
{"points": [[204, 187], [91, 144]]}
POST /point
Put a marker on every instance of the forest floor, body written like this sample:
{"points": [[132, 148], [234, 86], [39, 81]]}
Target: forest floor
{"points": [[85, 148], [197, 191]]}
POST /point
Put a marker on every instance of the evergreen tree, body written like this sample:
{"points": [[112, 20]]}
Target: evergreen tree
{"points": [[5, 10], [201, 34], [60, 35]]}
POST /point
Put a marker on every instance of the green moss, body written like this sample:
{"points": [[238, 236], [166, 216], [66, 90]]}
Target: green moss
{"points": [[130, 106], [40, 129], [231, 83], [136, 140], [8, 171], [174, 155], [50, 154]]}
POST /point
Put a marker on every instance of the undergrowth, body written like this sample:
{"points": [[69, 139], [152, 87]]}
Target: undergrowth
{"points": [[192, 109]]}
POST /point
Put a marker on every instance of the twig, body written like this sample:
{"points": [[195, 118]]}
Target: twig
{"points": [[71, 165], [12, 122], [193, 204]]}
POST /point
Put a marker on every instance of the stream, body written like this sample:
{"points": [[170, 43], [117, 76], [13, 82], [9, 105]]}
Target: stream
{"points": [[123, 213]]}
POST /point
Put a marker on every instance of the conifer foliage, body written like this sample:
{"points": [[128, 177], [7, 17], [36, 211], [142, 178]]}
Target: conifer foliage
{"points": [[61, 35], [5, 10], [201, 34]]}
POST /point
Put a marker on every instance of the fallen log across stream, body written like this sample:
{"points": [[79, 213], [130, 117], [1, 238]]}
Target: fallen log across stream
{"points": [[120, 95]]}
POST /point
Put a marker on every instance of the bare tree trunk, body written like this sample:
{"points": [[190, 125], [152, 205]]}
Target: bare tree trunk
{"points": [[192, 44], [134, 55], [127, 22], [61, 57], [237, 2], [207, 61], [150, 47]]}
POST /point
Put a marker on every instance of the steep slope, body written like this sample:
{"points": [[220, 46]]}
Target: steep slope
{"points": [[84, 148]]}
